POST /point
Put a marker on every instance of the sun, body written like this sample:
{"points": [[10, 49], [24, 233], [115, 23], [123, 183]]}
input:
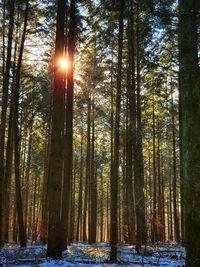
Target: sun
{"points": [[63, 63]]}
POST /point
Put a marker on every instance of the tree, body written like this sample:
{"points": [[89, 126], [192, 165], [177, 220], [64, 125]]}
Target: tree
{"points": [[141, 236], [131, 126], [176, 218], [54, 249], [6, 79], [68, 162], [22, 231], [115, 175], [190, 132]]}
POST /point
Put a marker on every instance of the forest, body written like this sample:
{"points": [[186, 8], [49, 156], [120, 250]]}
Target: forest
{"points": [[100, 133]]}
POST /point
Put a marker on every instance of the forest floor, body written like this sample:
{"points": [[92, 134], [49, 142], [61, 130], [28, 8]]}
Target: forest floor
{"points": [[84, 255]]}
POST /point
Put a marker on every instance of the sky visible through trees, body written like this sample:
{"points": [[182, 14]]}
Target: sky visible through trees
{"points": [[99, 128]]}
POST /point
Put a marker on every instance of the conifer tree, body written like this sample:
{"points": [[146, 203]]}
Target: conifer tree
{"points": [[54, 249], [190, 126]]}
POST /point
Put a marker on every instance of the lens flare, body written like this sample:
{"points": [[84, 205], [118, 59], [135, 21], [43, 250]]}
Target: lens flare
{"points": [[63, 63]]}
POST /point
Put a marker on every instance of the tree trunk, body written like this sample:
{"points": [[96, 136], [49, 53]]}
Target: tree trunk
{"points": [[170, 210], [54, 249], [190, 132], [87, 174], [22, 231], [101, 209], [93, 185], [141, 236], [6, 79], [27, 173], [155, 230], [80, 201], [9, 149], [163, 199], [115, 175], [176, 218], [45, 185], [68, 163], [131, 135], [160, 225]]}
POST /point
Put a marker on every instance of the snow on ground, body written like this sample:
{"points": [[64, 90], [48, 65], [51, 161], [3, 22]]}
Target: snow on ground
{"points": [[84, 255]]}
